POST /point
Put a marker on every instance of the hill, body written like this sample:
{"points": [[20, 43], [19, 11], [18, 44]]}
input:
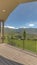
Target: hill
{"points": [[19, 30]]}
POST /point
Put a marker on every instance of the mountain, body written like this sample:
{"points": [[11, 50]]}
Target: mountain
{"points": [[31, 33], [19, 30], [31, 30]]}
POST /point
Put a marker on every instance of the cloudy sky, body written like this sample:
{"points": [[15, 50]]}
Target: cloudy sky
{"points": [[25, 15]]}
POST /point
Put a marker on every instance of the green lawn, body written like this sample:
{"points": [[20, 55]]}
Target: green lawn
{"points": [[28, 44]]}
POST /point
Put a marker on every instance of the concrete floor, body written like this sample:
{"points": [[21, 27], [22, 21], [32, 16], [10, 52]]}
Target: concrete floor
{"points": [[5, 61], [10, 55]]}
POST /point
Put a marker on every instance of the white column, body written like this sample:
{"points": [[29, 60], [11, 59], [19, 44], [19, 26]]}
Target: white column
{"points": [[2, 31]]}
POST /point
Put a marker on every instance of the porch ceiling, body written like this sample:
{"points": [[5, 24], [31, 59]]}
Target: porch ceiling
{"points": [[7, 6]]}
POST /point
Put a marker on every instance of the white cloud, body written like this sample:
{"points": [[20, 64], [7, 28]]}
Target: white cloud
{"points": [[9, 27], [14, 27], [31, 25], [23, 27]]}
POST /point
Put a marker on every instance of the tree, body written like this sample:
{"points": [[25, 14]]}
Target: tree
{"points": [[24, 37]]}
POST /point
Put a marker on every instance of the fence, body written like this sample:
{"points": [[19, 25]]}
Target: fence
{"points": [[30, 45]]}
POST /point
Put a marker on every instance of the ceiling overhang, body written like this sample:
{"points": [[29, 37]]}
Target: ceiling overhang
{"points": [[7, 6]]}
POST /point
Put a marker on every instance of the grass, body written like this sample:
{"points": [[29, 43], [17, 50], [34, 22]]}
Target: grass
{"points": [[28, 44]]}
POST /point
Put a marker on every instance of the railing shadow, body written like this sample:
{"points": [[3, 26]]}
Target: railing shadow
{"points": [[5, 61]]}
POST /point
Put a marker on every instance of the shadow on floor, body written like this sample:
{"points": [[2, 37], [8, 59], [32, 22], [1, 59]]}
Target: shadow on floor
{"points": [[5, 61]]}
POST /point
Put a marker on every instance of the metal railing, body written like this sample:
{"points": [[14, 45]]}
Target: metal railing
{"points": [[29, 45]]}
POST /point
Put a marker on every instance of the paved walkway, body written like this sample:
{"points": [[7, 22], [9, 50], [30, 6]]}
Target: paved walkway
{"points": [[13, 56]]}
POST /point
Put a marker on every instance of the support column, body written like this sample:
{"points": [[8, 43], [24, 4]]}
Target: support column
{"points": [[2, 31]]}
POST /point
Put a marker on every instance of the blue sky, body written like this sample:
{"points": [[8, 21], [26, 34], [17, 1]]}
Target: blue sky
{"points": [[25, 15]]}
